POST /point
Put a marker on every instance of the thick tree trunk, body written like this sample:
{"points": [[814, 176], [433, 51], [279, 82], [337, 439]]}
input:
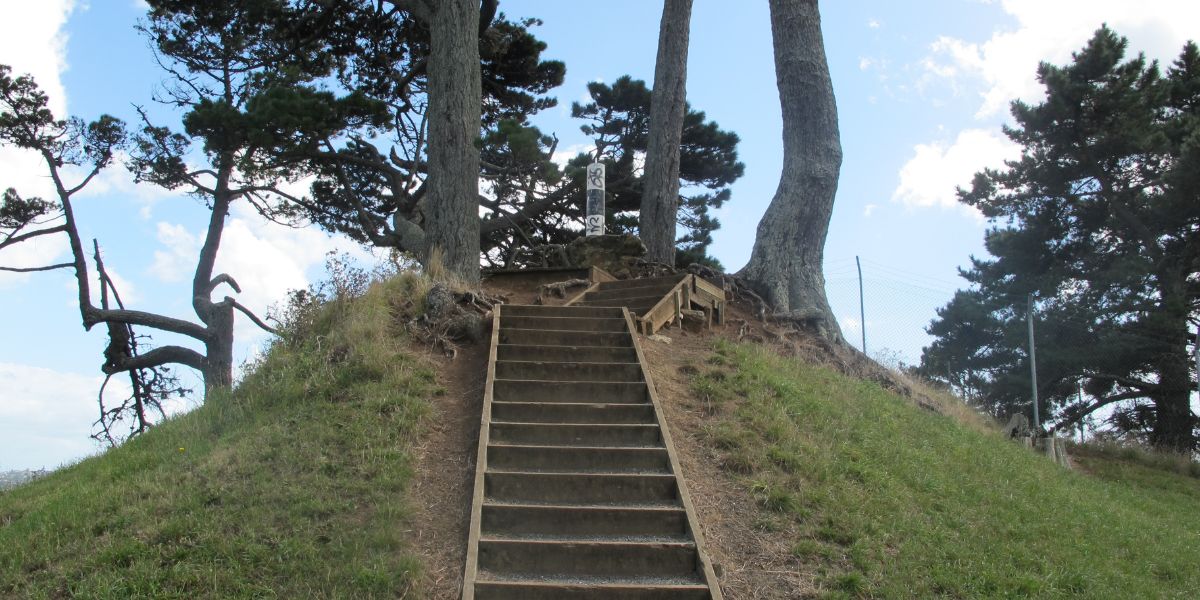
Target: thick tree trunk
{"points": [[785, 265], [452, 226], [218, 351], [660, 191]]}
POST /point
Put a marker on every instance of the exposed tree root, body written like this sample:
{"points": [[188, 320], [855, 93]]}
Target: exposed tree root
{"points": [[559, 289], [450, 316]]}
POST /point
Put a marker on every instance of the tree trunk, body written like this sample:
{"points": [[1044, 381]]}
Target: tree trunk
{"points": [[660, 191], [1173, 421], [785, 265], [455, 98], [218, 350]]}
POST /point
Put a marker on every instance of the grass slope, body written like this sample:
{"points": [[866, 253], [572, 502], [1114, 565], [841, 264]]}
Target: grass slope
{"points": [[890, 500], [292, 487]]}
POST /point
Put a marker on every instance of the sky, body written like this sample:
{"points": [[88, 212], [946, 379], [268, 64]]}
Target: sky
{"points": [[922, 87]]}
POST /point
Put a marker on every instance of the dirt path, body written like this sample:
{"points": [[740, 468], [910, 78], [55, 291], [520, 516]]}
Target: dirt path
{"points": [[445, 470]]}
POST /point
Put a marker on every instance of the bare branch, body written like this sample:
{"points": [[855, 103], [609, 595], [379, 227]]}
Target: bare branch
{"points": [[34, 269], [252, 316], [417, 8], [159, 357], [16, 239], [145, 319], [225, 278], [86, 180], [1076, 412]]}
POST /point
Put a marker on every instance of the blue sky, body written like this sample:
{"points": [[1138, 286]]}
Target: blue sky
{"points": [[922, 89]]}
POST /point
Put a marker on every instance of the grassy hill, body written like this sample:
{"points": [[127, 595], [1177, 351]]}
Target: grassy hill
{"points": [[292, 487], [298, 485], [885, 499]]}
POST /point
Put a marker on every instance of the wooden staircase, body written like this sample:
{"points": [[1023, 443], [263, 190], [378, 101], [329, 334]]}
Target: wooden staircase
{"points": [[578, 493], [657, 301]]}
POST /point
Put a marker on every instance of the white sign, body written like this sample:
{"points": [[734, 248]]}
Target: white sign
{"points": [[594, 221]]}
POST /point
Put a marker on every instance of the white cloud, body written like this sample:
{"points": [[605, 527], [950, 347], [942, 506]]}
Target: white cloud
{"points": [[178, 257], [1006, 63], [869, 210], [46, 416], [930, 177], [36, 252], [32, 41], [560, 157], [864, 63], [873, 24], [117, 181]]}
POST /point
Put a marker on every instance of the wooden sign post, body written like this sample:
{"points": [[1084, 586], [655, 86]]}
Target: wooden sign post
{"points": [[594, 223]]}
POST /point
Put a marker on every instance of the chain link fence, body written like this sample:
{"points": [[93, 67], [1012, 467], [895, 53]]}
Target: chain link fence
{"points": [[897, 305]]}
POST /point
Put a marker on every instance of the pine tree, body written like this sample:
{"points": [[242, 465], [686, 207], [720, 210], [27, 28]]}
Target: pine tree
{"points": [[1100, 220]]}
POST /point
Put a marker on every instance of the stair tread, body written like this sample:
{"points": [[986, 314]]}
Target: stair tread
{"points": [[595, 425], [559, 346], [551, 447], [583, 473], [598, 471], [569, 403], [569, 362], [492, 501], [567, 381], [679, 540], [613, 583], [582, 507], [629, 300]]}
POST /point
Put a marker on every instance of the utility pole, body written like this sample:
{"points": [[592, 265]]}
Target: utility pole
{"points": [[862, 311], [594, 223], [1080, 400], [1037, 422]]}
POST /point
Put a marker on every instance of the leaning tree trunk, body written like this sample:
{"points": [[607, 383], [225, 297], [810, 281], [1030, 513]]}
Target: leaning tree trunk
{"points": [[452, 226], [660, 191], [785, 265]]}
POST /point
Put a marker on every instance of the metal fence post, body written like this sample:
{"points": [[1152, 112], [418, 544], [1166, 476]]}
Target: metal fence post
{"points": [[1037, 422]]}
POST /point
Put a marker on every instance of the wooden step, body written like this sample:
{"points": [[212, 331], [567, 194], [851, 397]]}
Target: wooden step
{"points": [[577, 459], [568, 371], [608, 392], [525, 310], [515, 519], [641, 282], [592, 324], [539, 337], [646, 301], [656, 290], [577, 434], [581, 488], [592, 354], [571, 559], [526, 589], [572, 412]]}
